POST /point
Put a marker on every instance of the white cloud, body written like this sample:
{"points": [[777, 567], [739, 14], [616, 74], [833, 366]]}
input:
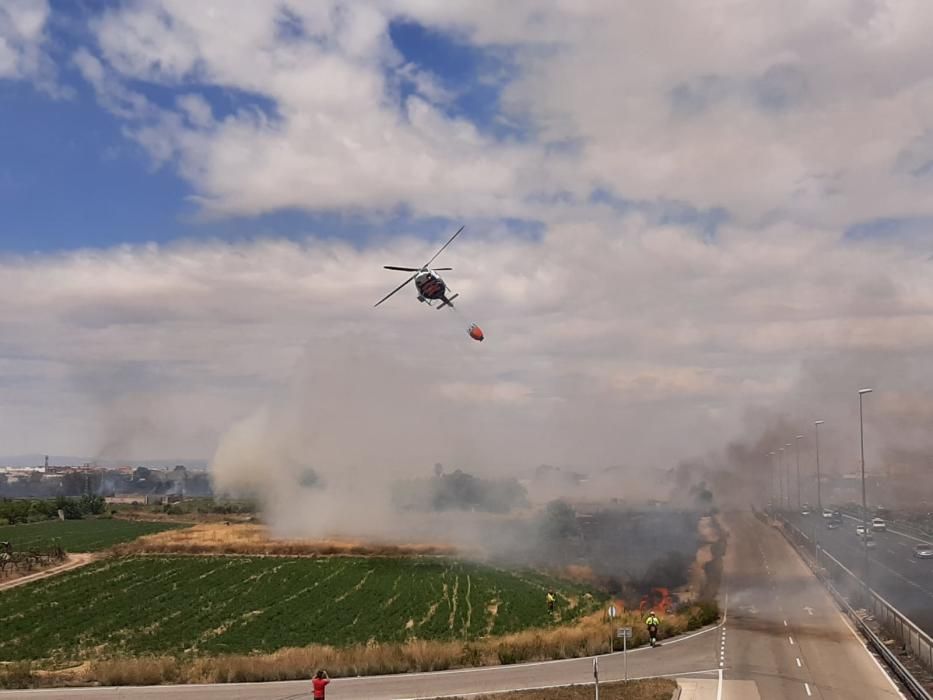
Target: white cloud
{"points": [[587, 357], [23, 44], [617, 337], [817, 114]]}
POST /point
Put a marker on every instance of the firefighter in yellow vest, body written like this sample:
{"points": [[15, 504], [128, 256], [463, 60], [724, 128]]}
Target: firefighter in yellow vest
{"points": [[652, 623], [550, 601]]}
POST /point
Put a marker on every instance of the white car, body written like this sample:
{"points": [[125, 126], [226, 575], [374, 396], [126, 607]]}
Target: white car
{"points": [[860, 529], [879, 525], [827, 513]]}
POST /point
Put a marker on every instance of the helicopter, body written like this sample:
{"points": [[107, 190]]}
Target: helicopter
{"points": [[429, 284]]}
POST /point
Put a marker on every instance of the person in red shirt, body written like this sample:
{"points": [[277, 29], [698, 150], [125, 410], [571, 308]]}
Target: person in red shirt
{"points": [[319, 682]]}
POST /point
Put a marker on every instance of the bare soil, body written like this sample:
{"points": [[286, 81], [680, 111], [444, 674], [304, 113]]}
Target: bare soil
{"points": [[72, 561]]}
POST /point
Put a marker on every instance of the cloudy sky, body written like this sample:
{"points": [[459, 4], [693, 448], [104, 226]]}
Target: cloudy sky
{"points": [[682, 219]]}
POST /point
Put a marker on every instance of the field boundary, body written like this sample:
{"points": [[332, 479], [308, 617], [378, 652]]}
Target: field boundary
{"points": [[75, 561]]}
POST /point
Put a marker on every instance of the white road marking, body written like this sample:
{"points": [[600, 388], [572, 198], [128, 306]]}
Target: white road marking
{"points": [[807, 687], [791, 640], [722, 648], [903, 578], [719, 687], [896, 532], [809, 610], [785, 623], [799, 665], [864, 645]]}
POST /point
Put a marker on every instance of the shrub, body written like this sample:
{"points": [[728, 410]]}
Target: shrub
{"points": [[17, 675]]}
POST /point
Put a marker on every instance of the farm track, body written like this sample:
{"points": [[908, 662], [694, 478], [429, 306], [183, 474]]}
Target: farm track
{"points": [[73, 562]]}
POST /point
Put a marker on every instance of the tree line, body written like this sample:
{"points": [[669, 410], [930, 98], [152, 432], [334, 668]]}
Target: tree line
{"points": [[13, 511]]}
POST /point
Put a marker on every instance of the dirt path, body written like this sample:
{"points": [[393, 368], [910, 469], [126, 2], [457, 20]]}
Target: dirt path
{"points": [[72, 562]]}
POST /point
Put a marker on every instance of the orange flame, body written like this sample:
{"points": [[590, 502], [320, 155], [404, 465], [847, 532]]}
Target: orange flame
{"points": [[658, 599]]}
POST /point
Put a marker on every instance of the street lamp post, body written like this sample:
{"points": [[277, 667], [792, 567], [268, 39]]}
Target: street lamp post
{"points": [[819, 481], [819, 495], [797, 439], [781, 476], [787, 477], [773, 485], [861, 432]]}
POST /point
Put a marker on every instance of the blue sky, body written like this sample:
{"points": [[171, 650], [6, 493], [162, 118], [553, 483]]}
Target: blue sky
{"points": [[70, 178]]}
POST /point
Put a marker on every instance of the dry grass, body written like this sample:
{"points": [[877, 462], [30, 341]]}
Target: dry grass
{"points": [[587, 637], [255, 540], [648, 689]]}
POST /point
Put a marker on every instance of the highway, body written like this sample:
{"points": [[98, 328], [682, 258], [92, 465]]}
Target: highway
{"points": [[903, 581], [782, 637], [784, 631]]}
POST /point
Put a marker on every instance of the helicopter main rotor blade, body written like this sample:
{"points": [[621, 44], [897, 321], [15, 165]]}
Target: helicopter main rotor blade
{"points": [[412, 269], [394, 291], [444, 246]]}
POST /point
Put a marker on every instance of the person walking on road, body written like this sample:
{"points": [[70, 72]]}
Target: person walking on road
{"points": [[319, 682], [652, 623]]}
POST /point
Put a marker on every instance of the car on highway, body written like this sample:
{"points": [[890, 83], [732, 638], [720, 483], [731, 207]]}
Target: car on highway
{"points": [[860, 529], [869, 540], [879, 525], [923, 551], [832, 524], [805, 510], [827, 513]]}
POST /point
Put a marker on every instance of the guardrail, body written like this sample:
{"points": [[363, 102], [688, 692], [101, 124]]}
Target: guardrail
{"points": [[845, 586]]}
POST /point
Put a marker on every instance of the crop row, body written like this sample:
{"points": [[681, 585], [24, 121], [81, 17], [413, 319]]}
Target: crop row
{"points": [[209, 605]]}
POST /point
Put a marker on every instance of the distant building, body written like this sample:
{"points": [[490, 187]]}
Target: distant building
{"points": [[163, 500]]}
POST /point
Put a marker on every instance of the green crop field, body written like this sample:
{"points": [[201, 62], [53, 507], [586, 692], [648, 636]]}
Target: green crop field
{"points": [[90, 535], [182, 605]]}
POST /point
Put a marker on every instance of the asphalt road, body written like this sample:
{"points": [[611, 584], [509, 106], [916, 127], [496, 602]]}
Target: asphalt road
{"points": [[782, 638], [784, 631], [690, 655], [903, 581]]}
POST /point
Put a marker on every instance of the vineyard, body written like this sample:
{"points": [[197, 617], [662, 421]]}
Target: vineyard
{"points": [[91, 535], [216, 605]]}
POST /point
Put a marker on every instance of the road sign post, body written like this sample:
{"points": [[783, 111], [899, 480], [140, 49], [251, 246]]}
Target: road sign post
{"points": [[625, 633], [596, 675], [612, 615]]}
